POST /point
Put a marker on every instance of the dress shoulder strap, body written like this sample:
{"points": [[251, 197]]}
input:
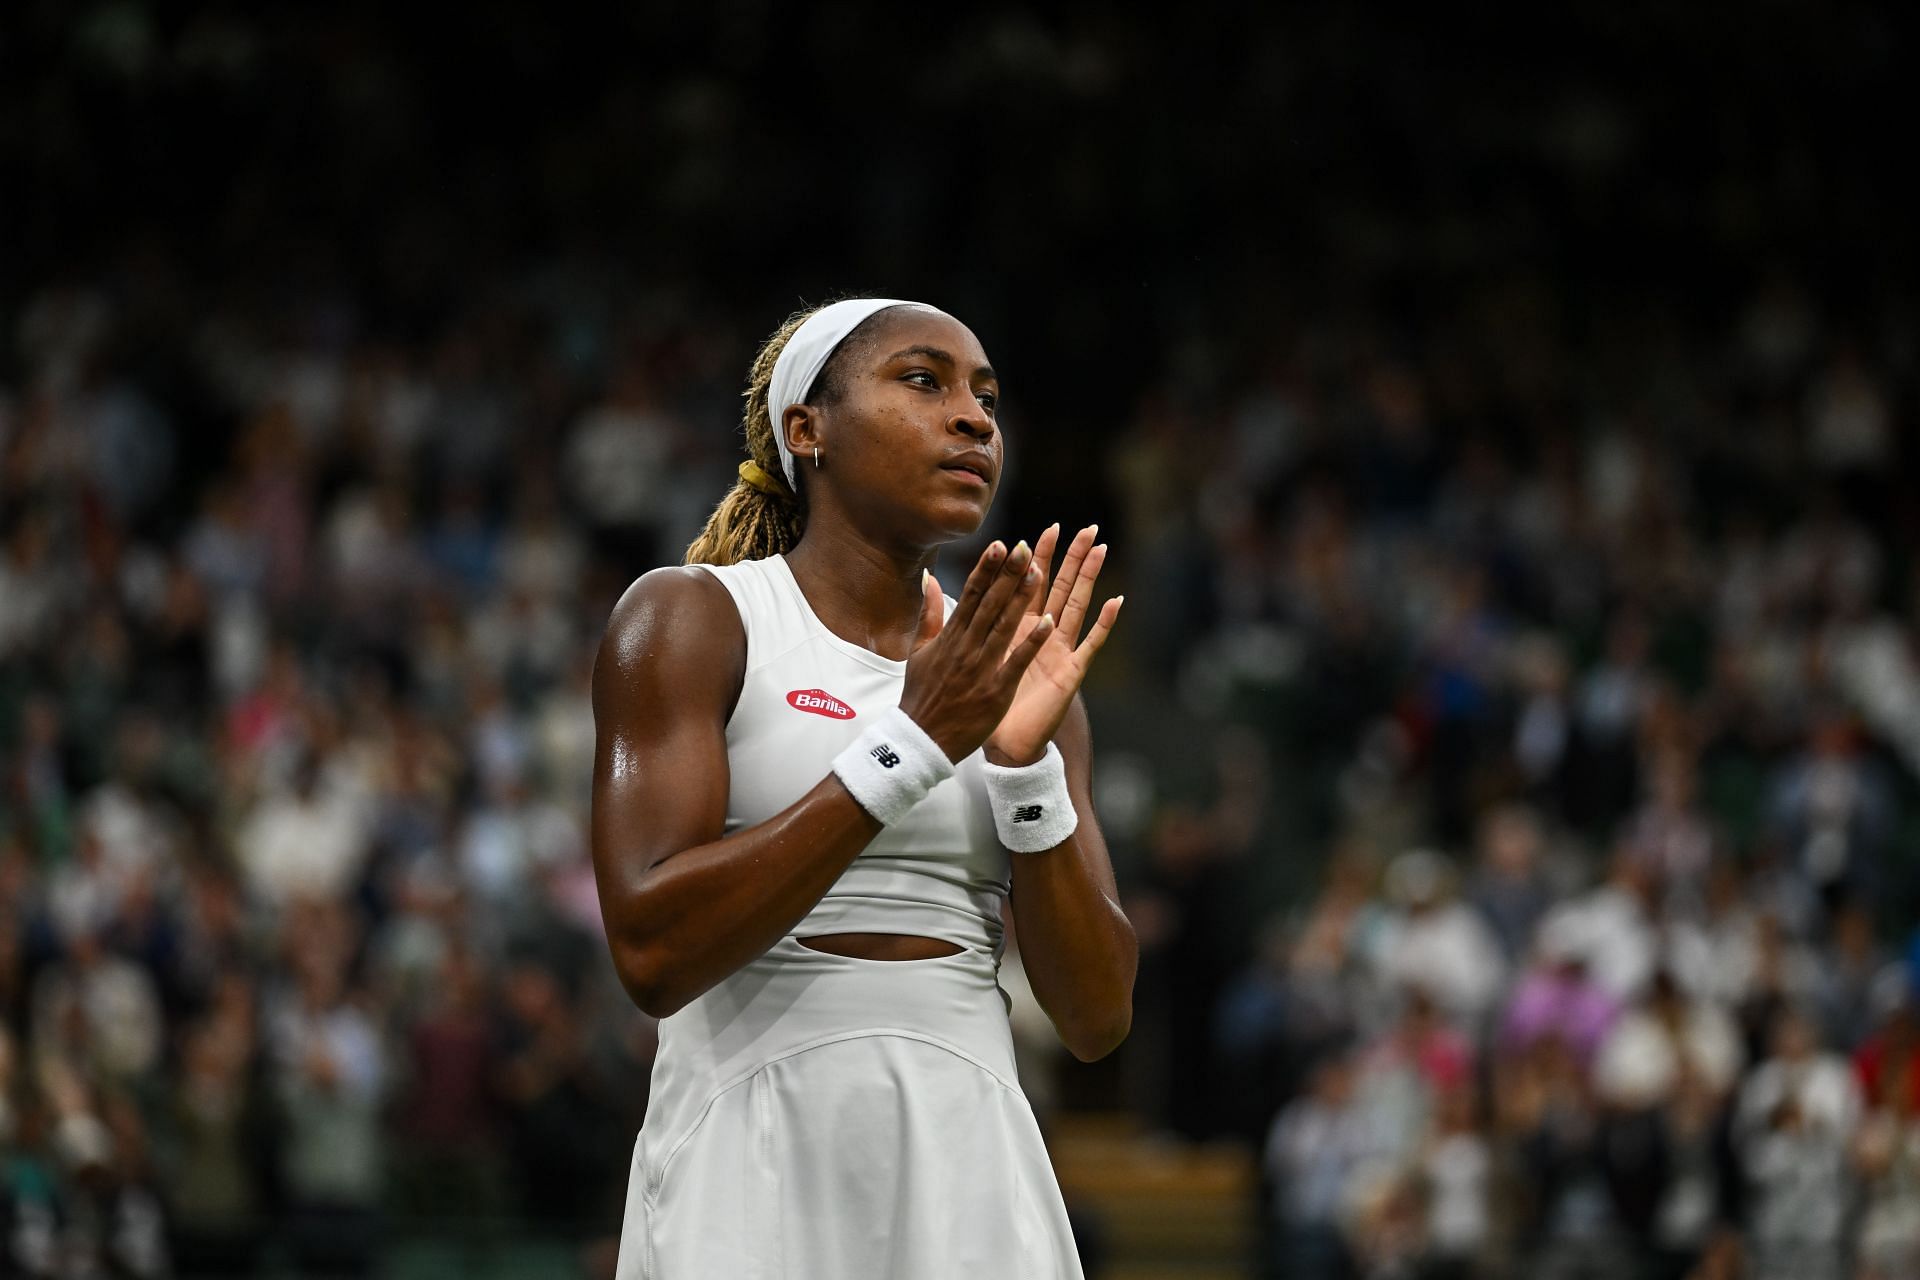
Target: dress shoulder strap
{"points": [[769, 612]]}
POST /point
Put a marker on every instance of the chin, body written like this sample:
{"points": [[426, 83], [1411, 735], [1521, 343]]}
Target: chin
{"points": [[956, 523]]}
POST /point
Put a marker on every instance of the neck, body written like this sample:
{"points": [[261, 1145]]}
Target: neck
{"points": [[863, 592]]}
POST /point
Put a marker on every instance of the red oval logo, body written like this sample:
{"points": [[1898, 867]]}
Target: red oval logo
{"points": [[820, 702]]}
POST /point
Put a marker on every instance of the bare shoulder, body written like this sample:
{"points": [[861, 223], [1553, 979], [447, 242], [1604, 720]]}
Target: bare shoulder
{"points": [[674, 628]]}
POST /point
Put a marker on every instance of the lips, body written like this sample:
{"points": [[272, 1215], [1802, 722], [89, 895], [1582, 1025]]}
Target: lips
{"points": [[972, 464]]}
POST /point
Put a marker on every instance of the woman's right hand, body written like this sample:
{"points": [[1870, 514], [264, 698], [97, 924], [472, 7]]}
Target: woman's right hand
{"points": [[962, 676]]}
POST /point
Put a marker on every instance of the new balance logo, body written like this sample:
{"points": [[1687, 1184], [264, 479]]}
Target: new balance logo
{"points": [[885, 755], [820, 703], [1027, 813]]}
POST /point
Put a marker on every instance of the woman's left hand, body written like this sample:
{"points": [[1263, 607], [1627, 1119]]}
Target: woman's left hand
{"points": [[1047, 688]]}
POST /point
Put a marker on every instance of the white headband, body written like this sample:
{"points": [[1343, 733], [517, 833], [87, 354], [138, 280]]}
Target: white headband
{"points": [[807, 353]]}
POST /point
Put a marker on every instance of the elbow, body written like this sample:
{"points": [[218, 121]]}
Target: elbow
{"points": [[649, 980], [1092, 1041], [657, 1002]]}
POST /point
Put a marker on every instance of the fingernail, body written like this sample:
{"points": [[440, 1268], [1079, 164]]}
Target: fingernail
{"points": [[1102, 548], [996, 549], [1093, 530], [1118, 601], [1054, 527], [1020, 546], [924, 575]]}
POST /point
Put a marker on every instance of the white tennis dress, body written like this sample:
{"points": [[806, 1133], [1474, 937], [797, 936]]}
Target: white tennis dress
{"points": [[821, 1117]]}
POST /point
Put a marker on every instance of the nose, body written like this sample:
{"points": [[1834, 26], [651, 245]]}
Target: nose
{"points": [[972, 420]]}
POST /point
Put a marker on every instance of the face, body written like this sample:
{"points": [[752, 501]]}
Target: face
{"points": [[911, 433]]}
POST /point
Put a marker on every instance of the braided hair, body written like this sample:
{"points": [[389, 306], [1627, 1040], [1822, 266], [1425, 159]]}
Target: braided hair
{"points": [[750, 522]]}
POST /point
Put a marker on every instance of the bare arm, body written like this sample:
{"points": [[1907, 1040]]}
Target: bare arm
{"points": [[686, 906], [1079, 949]]}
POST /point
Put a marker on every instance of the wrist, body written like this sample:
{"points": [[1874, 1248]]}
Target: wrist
{"points": [[1032, 810], [920, 728], [1014, 760], [892, 766]]}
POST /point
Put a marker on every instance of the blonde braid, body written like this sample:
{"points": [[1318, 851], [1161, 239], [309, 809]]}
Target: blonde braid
{"points": [[750, 524]]}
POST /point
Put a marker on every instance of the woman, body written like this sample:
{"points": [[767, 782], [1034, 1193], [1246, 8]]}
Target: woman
{"points": [[816, 781]]}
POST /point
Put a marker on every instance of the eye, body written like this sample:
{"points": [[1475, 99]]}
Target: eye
{"points": [[929, 379], [988, 400]]}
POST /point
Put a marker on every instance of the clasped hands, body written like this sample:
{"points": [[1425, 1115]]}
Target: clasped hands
{"points": [[1002, 672]]}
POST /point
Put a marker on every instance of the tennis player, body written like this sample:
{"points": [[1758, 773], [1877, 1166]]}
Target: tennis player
{"points": [[817, 781]]}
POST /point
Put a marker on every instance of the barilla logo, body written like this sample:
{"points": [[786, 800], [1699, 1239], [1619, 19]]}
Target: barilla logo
{"points": [[820, 702]]}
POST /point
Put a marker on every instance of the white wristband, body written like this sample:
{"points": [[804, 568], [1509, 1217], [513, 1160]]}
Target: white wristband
{"points": [[891, 767], [1031, 808]]}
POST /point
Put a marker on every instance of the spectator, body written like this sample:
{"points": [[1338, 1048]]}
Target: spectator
{"points": [[1831, 808], [1661, 1039], [1317, 1148], [1548, 1125], [450, 1160], [1456, 1167], [557, 1137], [1612, 929], [217, 1122], [1610, 702], [1438, 941], [1669, 834], [1854, 969], [1510, 887], [1888, 1061], [1819, 1085], [310, 841], [1557, 1000], [616, 458], [1408, 1070], [1886, 1158], [330, 1074], [1799, 1188], [98, 1012]]}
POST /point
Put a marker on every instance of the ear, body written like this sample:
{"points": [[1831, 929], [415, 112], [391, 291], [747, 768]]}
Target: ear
{"points": [[802, 424]]}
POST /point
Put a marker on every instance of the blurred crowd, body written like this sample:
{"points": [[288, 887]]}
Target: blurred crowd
{"points": [[1502, 458], [1602, 701], [300, 932], [1607, 730]]}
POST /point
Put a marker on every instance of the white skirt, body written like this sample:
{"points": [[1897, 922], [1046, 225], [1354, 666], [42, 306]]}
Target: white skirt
{"points": [[821, 1117]]}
